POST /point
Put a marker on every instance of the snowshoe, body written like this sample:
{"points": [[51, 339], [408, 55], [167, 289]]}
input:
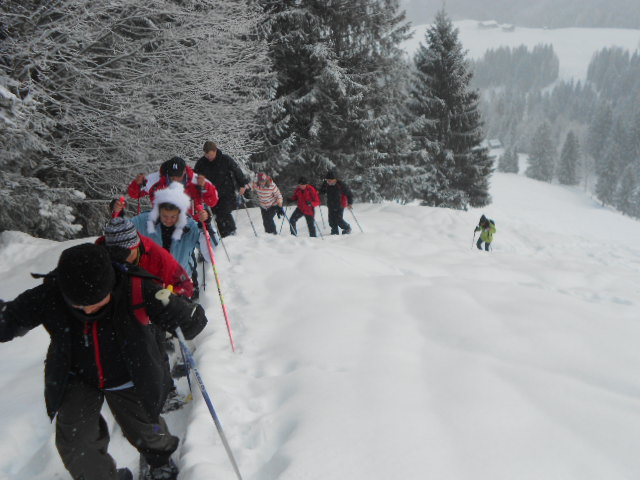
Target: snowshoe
{"points": [[168, 471], [179, 370], [173, 402]]}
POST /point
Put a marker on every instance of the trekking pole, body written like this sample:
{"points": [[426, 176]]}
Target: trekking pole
{"points": [[244, 204], [321, 216], [186, 364], [192, 365], [284, 215], [215, 274], [354, 217], [217, 232], [473, 242], [144, 184], [318, 227], [204, 279]]}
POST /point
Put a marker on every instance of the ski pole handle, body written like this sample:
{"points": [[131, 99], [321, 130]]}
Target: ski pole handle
{"points": [[123, 201]]}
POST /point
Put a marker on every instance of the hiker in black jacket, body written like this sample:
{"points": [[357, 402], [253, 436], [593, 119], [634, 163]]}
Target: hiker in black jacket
{"points": [[226, 175], [102, 320], [339, 196]]}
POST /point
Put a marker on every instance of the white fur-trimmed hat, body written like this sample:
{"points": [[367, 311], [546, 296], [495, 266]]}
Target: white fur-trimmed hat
{"points": [[173, 194]]}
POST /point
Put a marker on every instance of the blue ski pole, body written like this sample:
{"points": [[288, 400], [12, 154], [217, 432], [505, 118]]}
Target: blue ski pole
{"points": [[205, 395]]}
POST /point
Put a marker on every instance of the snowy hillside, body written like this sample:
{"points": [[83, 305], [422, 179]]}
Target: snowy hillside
{"points": [[398, 353], [574, 46]]}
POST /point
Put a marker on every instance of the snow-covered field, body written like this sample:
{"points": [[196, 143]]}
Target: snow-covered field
{"points": [[398, 353], [574, 46]]}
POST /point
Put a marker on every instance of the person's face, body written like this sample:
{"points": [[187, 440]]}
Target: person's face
{"points": [[178, 178], [169, 218], [133, 255], [91, 309], [303, 186], [332, 181], [211, 155]]}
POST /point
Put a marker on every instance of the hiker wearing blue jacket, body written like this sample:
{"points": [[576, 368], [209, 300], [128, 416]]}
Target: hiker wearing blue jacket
{"points": [[168, 225]]}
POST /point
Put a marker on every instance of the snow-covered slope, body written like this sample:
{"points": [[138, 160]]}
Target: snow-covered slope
{"points": [[400, 352]]}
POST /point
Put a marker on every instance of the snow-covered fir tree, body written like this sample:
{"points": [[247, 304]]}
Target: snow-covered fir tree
{"points": [[628, 191], [613, 162], [447, 128], [598, 131], [542, 154], [569, 160], [336, 89], [508, 162]]}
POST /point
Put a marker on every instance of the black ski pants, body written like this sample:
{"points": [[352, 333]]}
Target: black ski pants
{"points": [[82, 437], [311, 224], [224, 220], [479, 245], [267, 219], [336, 220]]}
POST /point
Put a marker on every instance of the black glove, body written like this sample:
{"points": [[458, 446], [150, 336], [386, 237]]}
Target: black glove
{"points": [[279, 212], [310, 204]]}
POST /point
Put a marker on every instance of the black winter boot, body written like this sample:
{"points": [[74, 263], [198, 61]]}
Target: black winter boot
{"points": [[168, 471], [124, 474]]}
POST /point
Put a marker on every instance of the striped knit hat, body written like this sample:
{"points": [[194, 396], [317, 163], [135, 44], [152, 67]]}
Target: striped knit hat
{"points": [[121, 232]]}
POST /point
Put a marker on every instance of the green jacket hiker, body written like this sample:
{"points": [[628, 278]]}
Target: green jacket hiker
{"points": [[487, 227]]}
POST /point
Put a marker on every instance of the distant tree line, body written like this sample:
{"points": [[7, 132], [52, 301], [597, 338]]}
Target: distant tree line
{"points": [[517, 68], [576, 132]]}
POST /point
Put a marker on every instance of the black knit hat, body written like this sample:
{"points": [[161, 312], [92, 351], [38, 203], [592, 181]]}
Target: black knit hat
{"points": [[331, 175], [174, 167], [302, 181], [121, 232], [85, 275]]}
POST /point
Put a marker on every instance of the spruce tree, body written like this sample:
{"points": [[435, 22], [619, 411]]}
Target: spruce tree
{"points": [[569, 157], [625, 196], [338, 82], [541, 155], [508, 162], [447, 130], [598, 131]]}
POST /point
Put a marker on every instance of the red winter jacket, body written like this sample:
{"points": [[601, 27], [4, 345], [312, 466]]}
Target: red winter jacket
{"points": [[309, 194], [159, 262], [208, 195]]}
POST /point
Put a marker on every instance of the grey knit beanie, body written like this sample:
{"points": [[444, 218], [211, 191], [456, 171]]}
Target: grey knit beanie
{"points": [[121, 232]]}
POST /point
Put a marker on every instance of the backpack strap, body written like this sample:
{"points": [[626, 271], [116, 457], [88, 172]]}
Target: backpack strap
{"points": [[137, 301]]}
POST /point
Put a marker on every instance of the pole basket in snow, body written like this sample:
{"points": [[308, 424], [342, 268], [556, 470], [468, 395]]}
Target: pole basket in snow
{"points": [[215, 274], [192, 367], [356, 219]]}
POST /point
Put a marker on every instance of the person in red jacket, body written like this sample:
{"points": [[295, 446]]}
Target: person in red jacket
{"points": [[307, 197], [198, 188], [125, 244]]}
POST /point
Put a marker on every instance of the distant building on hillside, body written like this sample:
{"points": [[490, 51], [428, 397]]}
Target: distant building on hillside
{"points": [[508, 27], [488, 24]]}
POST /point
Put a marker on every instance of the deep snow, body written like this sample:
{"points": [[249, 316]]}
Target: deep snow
{"points": [[400, 352]]}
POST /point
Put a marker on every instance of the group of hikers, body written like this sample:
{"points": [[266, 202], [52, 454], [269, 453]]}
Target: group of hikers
{"points": [[109, 305]]}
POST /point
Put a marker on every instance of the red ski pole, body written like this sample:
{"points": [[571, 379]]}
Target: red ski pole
{"points": [[200, 208]]}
